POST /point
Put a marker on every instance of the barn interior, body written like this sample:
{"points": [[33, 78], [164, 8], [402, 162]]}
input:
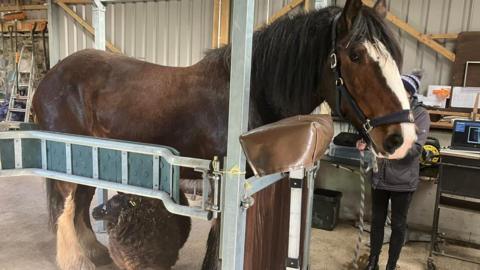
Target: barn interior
{"points": [[440, 38]]}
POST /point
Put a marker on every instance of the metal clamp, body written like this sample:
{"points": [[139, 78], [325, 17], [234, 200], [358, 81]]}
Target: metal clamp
{"points": [[247, 202], [367, 126], [293, 263], [411, 118], [333, 63], [296, 183], [339, 82], [214, 205], [215, 178]]}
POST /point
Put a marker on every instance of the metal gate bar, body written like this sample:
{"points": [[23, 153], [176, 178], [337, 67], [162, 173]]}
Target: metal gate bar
{"points": [[170, 205], [136, 168]]}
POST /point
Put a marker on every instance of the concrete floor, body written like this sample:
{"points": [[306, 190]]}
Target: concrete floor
{"points": [[338, 253], [26, 243]]}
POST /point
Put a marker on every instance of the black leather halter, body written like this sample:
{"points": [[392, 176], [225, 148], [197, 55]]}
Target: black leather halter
{"points": [[403, 116]]}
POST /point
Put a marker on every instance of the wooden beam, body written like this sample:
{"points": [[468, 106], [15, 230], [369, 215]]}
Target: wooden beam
{"points": [[225, 22], [447, 113], [216, 24], [85, 25], [10, 8], [425, 39], [309, 5], [444, 36], [76, 2], [289, 7], [221, 23]]}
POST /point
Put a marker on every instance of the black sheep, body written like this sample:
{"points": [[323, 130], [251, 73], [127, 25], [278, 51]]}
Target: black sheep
{"points": [[142, 233]]}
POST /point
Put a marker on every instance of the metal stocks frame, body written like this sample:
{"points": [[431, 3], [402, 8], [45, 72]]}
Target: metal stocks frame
{"points": [[78, 159]]}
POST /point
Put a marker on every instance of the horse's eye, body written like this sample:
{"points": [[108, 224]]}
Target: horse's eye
{"points": [[354, 57]]}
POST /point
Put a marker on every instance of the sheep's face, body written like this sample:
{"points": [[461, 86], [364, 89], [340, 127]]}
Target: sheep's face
{"points": [[110, 211]]}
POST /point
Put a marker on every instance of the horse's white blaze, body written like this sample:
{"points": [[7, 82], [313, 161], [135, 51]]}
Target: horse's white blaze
{"points": [[387, 64]]}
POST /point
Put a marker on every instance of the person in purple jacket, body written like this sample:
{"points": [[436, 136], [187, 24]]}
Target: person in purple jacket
{"points": [[396, 180]]}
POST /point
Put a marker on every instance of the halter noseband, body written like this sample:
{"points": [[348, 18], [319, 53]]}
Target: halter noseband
{"points": [[403, 116]]}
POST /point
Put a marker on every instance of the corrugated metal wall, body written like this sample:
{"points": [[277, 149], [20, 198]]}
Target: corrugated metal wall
{"points": [[177, 33], [174, 33], [264, 9], [432, 17]]}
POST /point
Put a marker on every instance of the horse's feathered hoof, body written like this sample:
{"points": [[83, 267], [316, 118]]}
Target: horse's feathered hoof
{"points": [[100, 255], [102, 259], [79, 263], [86, 264]]}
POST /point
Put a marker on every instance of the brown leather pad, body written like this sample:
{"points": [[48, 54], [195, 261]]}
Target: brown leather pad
{"points": [[292, 143]]}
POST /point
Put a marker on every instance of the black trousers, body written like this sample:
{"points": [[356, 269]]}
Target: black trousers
{"points": [[400, 204]]}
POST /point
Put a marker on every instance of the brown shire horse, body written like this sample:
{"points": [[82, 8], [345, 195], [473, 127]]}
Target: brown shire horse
{"points": [[106, 95]]}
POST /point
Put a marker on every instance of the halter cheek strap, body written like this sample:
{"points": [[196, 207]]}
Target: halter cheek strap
{"points": [[403, 116]]}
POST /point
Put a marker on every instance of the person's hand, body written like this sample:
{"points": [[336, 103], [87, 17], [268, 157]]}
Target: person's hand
{"points": [[361, 145]]}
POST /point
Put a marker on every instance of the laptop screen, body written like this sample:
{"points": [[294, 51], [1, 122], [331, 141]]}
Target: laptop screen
{"points": [[466, 134]]}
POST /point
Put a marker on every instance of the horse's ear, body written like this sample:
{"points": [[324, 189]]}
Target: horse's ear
{"points": [[349, 13], [381, 8]]}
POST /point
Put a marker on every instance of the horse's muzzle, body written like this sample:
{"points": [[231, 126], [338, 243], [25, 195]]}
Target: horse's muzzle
{"points": [[99, 212], [393, 142]]}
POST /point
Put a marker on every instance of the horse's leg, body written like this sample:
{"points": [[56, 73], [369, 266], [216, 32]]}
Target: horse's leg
{"points": [[211, 259], [94, 250], [70, 255]]}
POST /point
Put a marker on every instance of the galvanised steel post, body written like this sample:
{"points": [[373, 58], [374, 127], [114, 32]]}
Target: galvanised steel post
{"points": [[98, 21], [233, 214], [53, 42]]}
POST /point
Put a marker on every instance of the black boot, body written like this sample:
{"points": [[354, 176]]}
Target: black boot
{"points": [[391, 266], [372, 263]]}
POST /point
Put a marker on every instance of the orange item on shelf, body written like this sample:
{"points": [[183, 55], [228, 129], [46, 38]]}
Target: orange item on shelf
{"points": [[442, 93], [17, 15]]}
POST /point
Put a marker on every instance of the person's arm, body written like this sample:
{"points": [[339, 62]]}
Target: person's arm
{"points": [[422, 124]]}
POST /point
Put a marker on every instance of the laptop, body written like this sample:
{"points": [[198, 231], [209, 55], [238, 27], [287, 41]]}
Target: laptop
{"points": [[466, 135]]}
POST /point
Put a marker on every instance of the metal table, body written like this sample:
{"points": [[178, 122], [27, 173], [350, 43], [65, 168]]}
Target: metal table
{"points": [[458, 183]]}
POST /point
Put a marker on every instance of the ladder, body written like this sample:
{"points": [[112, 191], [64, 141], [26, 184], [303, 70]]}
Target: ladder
{"points": [[19, 108]]}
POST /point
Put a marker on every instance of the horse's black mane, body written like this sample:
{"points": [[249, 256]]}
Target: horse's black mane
{"points": [[289, 55]]}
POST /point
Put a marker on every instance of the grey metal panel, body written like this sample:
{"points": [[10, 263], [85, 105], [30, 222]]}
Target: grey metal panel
{"points": [[109, 165], [264, 9], [433, 24], [31, 153], [151, 17], [197, 27], [7, 160], [82, 160], [185, 47], [175, 33], [140, 170], [56, 159], [411, 51]]}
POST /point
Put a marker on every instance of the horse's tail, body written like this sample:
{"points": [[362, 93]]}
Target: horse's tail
{"points": [[211, 260], [54, 203]]}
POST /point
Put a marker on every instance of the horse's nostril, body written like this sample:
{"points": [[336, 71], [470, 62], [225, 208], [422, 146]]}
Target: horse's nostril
{"points": [[393, 142], [98, 213]]}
